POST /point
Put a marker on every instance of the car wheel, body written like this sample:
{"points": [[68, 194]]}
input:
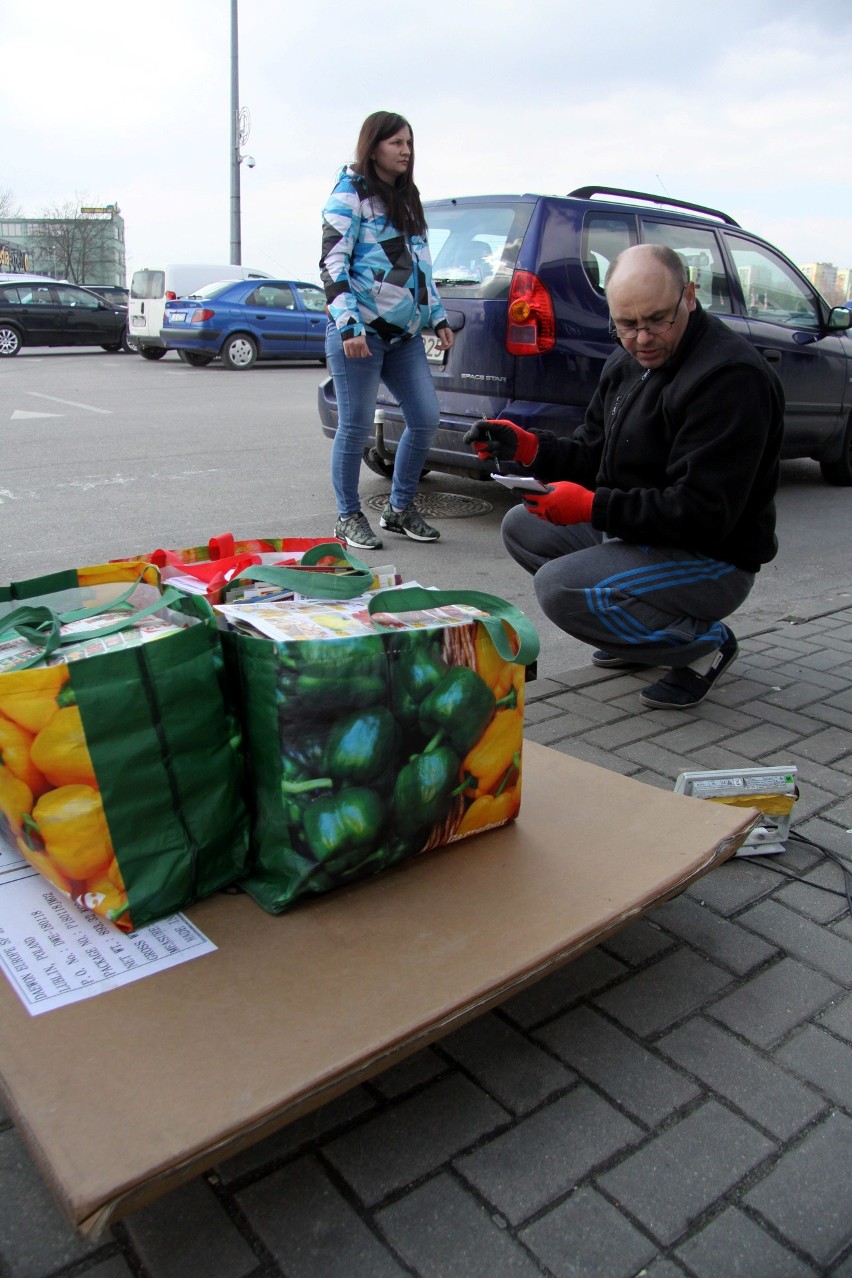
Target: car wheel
{"points": [[152, 352], [840, 471], [112, 348], [239, 352], [195, 358], [129, 343], [10, 340]]}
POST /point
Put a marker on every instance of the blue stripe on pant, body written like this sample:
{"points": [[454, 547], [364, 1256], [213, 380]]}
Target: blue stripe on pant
{"points": [[653, 605]]}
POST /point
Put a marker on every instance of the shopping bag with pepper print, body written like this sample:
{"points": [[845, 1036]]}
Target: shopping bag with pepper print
{"points": [[121, 768], [365, 750]]}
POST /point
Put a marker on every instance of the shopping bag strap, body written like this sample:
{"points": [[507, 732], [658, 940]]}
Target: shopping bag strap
{"points": [[496, 610], [306, 578], [42, 626]]}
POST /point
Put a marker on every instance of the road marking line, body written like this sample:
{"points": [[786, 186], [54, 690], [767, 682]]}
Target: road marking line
{"points": [[73, 403], [19, 414]]}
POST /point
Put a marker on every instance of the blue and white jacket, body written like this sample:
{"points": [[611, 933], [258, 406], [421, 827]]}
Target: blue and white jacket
{"points": [[376, 279]]}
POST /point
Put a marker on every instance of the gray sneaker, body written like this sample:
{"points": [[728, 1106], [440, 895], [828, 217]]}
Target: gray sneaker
{"points": [[355, 530], [409, 522]]}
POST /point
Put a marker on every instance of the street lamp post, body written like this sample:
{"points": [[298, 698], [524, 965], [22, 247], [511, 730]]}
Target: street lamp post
{"points": [[236, 231], [240, 129]]}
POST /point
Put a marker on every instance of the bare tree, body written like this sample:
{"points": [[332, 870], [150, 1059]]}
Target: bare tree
{"points": [[8, 207], [69, 241]]}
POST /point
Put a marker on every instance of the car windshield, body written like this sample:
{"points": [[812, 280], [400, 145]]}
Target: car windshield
{"points": [[475, 247]]}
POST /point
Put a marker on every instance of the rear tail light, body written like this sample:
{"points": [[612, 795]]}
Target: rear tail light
{"points": [[530, 324], [198, 317], [170, 296]]}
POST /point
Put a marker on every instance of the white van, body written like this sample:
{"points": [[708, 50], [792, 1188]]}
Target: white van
{"points": [[150, 289]]}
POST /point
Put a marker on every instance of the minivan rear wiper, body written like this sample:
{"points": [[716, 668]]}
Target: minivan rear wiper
{"points": [[457, 279]]}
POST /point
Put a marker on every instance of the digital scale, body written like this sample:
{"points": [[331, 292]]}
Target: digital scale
{"points": [[771, 790]]}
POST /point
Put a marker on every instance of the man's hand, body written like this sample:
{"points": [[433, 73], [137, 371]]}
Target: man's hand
{"points": [[566, 503], [501, 440]]}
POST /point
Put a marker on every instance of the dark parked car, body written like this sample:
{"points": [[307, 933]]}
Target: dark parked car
{"points": [[35, 311], [241, 321], [521, 277]]}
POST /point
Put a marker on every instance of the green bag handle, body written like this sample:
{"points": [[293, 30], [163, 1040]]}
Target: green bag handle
{"points": [[317, 585], [496, 610], [41, 626]]}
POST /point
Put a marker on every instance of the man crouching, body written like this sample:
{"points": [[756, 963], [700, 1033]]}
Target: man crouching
{"points": [[660, 509]]}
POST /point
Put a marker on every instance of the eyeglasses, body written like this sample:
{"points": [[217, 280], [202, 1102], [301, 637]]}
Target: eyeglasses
{"points": [[653, 327]]}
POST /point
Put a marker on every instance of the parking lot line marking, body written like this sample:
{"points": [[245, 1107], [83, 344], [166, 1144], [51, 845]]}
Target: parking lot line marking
{"points": [[71, 402], [19, 414]]}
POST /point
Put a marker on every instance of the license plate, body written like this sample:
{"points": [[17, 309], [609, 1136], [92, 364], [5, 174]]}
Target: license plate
{"points": [[433, 354], [137, 321], [177, 317]]}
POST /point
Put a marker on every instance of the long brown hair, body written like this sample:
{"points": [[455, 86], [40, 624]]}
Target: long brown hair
{"points": [[402, 199]]}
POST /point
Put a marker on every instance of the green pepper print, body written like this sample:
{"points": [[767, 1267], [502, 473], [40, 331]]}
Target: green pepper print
{"points": [[345, 827], [362, 746], [424, 788], [459, 708], [322, 677], [416, 668]]}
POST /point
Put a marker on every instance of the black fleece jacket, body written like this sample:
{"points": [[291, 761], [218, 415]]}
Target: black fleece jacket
{"points": [[685, 455]]}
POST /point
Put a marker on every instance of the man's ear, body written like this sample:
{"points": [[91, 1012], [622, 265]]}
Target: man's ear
{"points": [[689, 295]]}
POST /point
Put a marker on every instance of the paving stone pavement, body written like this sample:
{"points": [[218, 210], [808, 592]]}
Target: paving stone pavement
{"points": [[677, 1101]]}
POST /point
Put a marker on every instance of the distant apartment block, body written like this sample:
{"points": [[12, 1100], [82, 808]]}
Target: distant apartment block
{"points": [[835, 283]]}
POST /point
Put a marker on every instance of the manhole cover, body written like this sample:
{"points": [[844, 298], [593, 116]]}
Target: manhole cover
{"points": [[439, 505]]}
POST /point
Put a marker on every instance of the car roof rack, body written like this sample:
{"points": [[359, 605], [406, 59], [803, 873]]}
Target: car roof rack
{"points": [[586, 193]]}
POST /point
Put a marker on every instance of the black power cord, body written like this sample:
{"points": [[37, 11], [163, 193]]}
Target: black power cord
{"points": [[845, 868]]}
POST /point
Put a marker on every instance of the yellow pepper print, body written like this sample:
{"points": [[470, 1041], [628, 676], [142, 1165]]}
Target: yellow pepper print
{"points": [[16, 802], [41, 861], [106, 898], [121, 570], [74, 831], [60, 750], [16, 752], [494, 753], [489, 810], [490, 666], [28, 697]]}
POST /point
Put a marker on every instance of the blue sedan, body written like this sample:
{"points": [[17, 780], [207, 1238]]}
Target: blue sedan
{"points": [[243, 321]]}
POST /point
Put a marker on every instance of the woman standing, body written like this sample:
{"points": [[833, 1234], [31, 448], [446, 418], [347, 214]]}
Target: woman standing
{"points": [[377, 275]]}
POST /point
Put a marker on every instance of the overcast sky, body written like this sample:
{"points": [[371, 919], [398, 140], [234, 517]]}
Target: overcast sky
{"points": [[742, 105]]}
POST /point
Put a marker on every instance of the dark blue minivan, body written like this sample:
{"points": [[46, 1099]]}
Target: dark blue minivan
{"points": [[521, 277]]}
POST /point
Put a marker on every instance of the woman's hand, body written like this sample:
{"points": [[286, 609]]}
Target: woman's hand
{"points": [[445, 338], [356, 347]]}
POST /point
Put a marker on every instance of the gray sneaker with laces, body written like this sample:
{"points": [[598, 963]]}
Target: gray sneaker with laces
{"points": [[409, 522], [355, 530]]}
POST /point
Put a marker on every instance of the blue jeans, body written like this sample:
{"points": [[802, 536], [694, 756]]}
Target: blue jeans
{"points": [[404, 370]]}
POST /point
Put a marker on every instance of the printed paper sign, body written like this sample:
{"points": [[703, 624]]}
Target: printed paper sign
{"points": [[54, 953]]}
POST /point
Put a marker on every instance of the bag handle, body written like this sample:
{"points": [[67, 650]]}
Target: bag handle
{"points": [[418, 599], [316, 585], [41, 626]]}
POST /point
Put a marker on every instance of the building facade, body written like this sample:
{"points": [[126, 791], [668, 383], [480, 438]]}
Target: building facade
{"points": [[832, 281], [86, 249]]}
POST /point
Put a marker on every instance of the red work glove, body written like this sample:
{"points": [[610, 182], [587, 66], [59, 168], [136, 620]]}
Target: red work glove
{"points": [[498, 439], [566, 503]]}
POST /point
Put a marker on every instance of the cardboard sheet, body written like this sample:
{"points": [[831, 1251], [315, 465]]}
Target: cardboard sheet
{"points": [[126, 1095]]}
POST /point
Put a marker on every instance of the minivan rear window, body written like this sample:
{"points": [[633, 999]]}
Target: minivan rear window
{"points": [[147, 284], [475, 247]]}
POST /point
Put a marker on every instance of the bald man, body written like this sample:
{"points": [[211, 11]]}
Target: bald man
{"points": [[660, 509]]}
